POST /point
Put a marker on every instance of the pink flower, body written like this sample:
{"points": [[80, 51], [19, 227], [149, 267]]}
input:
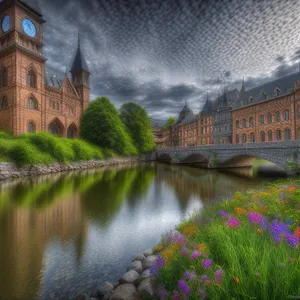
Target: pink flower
{"points": [[233, 222], [254, 217], [195, 254], [206, 263]]}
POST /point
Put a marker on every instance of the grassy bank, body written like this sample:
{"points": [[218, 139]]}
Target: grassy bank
{"points": [[246, 247], [44, 148]]}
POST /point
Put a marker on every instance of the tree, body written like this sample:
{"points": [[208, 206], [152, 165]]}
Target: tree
{"points": [[138, 124], [101, 124], [170, 122]]}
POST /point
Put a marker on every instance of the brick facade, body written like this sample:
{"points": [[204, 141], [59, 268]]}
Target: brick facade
{"points": [[51, 102]]}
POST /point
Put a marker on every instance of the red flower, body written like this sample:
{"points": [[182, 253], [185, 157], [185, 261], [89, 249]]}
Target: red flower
{"points": [[297, 232], [236, 279]]}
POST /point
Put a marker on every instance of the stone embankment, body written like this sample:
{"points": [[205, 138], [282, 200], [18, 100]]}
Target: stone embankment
{"points": [[10, 170], [137, 283]]}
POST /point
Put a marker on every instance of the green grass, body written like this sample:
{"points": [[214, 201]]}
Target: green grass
{"points": [[45, 149], [253, 265]]}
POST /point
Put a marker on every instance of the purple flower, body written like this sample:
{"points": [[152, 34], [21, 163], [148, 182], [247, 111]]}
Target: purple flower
{"points": [[204, 278], [184, 251], [281, 196], [278, 230], [160, 262], [202, 294], [194, 245], [224, 214], [219, 276], [233, 222], [291, 240], [206, 263], [154, 270], [282, 265], [254, 217], [264, 224], [185, 289], [189, 275], [195, 254], [162, 293], [176, 296]]}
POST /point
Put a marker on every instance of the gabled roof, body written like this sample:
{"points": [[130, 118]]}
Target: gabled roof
{"points": [[186, 109], [228, 98], [285, 85], [54, 77], [33, 4], [187, 119]]}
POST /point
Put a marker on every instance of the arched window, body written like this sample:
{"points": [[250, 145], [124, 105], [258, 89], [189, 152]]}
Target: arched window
{"points": [[270, 135], [278, 116], [4, 78], [287, 134], [262, 136], [237, 124], [269, 118], [278, 135], [31, 79], [237, 139], [262, 119], [32, 104], [286, 115], [251, 122], [31, 127], [244, 123], [244, 138], [250, 100], [252, 137], [4, 104]]}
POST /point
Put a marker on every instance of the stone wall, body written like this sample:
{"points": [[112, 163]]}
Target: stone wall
{"points": [[10, 170]]}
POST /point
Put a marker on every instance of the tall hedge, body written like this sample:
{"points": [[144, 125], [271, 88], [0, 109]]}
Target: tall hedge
{"points": [[138, 124], [101, 124]]}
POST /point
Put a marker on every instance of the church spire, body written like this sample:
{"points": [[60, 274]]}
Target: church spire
{"points": [[79, 62], [78, 40]]}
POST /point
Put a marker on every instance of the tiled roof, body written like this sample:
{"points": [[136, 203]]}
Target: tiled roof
{"points": [[33, 4], [266, 91], [54, 77], [79, 62], [229, 99], [186, 109], [188, 119], [207, 108]]}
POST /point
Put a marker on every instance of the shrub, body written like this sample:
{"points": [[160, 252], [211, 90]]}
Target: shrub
{"points": [[85, 151], [3, 135]]}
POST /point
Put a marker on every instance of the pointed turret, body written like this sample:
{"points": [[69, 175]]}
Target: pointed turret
{"points": [[79, 62]]}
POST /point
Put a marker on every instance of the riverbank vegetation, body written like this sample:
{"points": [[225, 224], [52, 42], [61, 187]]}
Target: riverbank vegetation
{"points": [[44, 148], [245, 247]]}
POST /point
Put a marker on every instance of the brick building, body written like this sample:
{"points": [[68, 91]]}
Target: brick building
{"points": [[34, 96]]}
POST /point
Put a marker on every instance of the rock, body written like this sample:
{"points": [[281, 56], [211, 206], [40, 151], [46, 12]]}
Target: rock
{"points": [[136, 265], [148, 252], [83, 297], [139, 257], [125, 291], [149, 261], [104, 288], [146, 287], [129, 277], [146, 273]]}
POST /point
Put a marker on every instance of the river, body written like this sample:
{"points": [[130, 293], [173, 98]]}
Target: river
{"points": [[64, 234]]}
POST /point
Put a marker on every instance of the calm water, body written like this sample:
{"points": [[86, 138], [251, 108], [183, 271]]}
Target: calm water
{"points": [[64, 234]]}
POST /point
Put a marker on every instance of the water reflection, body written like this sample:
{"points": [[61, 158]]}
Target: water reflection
{"points": [[62, 234]]}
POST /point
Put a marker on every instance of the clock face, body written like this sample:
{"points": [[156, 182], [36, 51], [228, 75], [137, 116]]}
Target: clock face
{"points": [[5, 23], [29, 27]]}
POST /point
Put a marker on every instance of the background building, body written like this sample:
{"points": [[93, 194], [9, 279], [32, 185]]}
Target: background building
{"points": [[34, 96]]}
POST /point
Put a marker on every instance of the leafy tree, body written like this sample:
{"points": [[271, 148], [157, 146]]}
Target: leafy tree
{"points": [[101, 124], [138, 124], [170, 122]]}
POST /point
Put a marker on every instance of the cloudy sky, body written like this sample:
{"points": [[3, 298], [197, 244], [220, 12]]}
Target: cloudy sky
{"points": [[160, 53]]}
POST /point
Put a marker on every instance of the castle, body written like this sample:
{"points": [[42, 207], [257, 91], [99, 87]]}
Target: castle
{"points": [[267, 113], [34, 96]]}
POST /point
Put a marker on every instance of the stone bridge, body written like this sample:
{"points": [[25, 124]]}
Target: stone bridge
{"points": [[284, 154]]}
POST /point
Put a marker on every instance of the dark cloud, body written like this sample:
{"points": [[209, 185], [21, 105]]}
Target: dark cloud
{"points": [[161, 53]]}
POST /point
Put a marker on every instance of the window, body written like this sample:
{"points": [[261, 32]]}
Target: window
{"points": [[278, 134], [32, 104], [286, 115], [287, 134], [237, 123], [244, 123], [244, 138], [262, 136], [262, 119], [251, 122], [4, 104], [263, 95], [31, 127], [252, 137], [270, 135], [277, 91], [31, 80], [278, 116], [269, 118], [250, 100], [237, 139], [4, 78]]}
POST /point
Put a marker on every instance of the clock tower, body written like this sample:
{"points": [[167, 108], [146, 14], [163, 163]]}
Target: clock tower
{"points": [[22, 64]]}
